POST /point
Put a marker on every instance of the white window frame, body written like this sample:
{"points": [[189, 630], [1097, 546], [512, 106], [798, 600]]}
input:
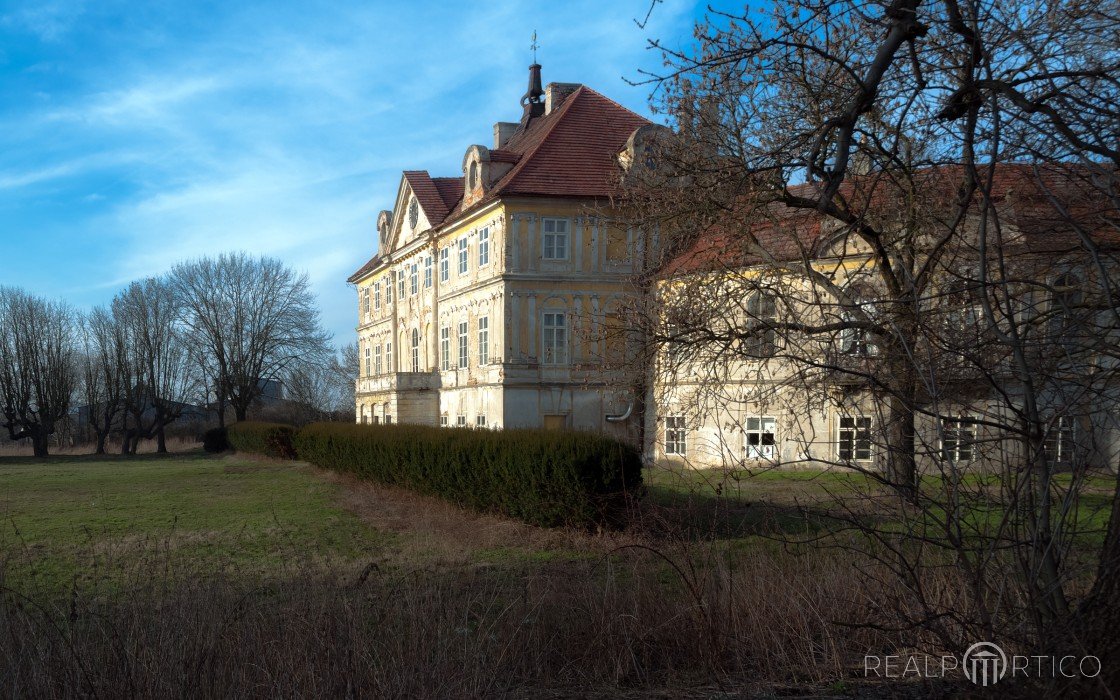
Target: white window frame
{"points": [[443, 420], [389, 288], [413, 279], [428, 272], [554, 338], [555, 244], [483, 340], [480, 420], [484, 246], [368, 362], [958, 439], [377, 296], [365, 301], [1060, 444], [754, 438], [464, 346], [464, 255], [377, 359], [415, 350], [460, 421], [444, 264], [676, 435], [400, 285], [445, 348], [848, 438], [388, 356]]}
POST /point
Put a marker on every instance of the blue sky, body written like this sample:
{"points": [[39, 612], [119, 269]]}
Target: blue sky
{"points": [[137, 134]]}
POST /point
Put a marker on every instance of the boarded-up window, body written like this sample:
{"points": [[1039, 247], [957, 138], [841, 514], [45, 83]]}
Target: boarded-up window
{"points": [[555, 421]]}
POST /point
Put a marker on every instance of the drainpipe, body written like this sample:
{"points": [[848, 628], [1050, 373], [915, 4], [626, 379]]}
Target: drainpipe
{"points": [[622, 416]]}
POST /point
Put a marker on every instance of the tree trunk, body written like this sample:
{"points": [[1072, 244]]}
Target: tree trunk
{"points": [[161, 441], [39, 443], [101, 438], [901, 466]]}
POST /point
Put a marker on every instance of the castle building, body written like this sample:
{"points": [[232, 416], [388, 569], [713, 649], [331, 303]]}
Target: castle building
{"points": [[479, 307]]}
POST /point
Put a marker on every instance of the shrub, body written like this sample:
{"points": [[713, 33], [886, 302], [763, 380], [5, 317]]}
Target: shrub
{"points": [[269, 439], [542, 477], [215, 440]]}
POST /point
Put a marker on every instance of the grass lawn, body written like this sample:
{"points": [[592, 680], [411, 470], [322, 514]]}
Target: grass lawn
{"points": [[100, 520]]}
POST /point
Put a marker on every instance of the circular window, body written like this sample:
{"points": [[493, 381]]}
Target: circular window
{"points": [[413, 213]]}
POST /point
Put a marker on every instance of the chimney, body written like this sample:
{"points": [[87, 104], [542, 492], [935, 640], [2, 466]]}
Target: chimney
{"points": [[556, 93], [502, 132]]}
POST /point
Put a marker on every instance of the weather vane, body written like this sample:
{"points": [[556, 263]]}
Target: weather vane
{"points": [[533, 46]]}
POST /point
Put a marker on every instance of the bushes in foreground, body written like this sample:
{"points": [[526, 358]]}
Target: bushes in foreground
{"points": [[542, 477], [269, 439]]}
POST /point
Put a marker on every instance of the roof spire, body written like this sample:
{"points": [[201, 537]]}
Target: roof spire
{"points": [[533, 46]]}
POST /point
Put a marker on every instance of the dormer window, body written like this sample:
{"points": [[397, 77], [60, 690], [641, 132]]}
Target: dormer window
{"points": [[413, 213], [472, 178]]}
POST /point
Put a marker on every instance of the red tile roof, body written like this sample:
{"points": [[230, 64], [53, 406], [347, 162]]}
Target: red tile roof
{"points": [[571, 152], [1025, 196], [568, 153], [428, 195]]}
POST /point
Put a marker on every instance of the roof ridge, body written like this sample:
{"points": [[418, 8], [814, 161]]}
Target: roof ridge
{"points": [[624, 108]]}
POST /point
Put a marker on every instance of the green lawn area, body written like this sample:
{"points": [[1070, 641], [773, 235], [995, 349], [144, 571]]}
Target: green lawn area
{"points": [[101, 520]]}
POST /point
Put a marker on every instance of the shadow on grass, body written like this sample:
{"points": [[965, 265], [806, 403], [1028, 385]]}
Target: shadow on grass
{"points": [[20, 460]]}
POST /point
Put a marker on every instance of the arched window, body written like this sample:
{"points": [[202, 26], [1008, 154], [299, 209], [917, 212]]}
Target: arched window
{"points": [[472, 182], [1064, 302], [415, 350], [762, 314]]}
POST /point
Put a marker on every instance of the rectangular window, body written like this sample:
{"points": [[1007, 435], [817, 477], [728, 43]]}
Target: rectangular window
{"points": [[414, 279], [1059, 444], [483, 340], [428, 272], [484, 247], [555, 239], [676, 435], [377, 360], [444, 264], [375, 420], [462, 256], [377, 296], [443, 421], [365, 301], [388, 419], [957, 438], [389, 288], [555, 346], [368, 364], [460, 421], [445, 348], [389, 356], [854, 439], [759, 440], [400, 285], [480, 421], [463, 344]]}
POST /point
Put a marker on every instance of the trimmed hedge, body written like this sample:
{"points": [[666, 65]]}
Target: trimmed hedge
{"points": [[269, 439], [542, 477], [215, 440]]}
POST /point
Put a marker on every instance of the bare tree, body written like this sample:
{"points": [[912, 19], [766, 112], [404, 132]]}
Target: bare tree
{"points": [[909, 209], [103, 374], [249, 320], [161, 377], [37, 366]]}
